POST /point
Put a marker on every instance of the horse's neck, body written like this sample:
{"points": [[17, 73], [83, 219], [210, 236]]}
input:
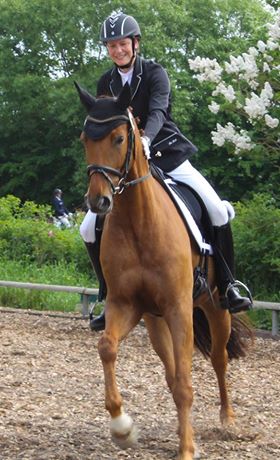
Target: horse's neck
{"points": [[138, 201]]}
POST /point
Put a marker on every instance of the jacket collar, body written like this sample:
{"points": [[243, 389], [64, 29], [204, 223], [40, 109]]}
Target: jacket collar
{"points": [[116, 81]]}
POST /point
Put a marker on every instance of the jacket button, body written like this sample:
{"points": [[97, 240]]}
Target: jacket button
{"points": [[158, 154]]}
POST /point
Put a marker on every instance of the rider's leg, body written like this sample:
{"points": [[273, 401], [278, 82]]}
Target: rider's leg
{"points": [[225, 271], [223, 243], [92, 237]]}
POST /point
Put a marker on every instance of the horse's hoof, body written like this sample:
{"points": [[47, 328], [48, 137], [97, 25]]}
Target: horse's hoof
{"points": [[123, 431], [189, 456], [227, 418]]}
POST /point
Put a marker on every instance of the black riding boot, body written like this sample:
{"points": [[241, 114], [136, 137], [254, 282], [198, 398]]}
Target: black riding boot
{"points": [[97, 323], [230, 296]]}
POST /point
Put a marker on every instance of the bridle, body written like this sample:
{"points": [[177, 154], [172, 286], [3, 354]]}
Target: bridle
{"points": [[107, 170]]}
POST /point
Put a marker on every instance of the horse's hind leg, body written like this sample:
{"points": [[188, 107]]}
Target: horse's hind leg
{"points": [[220, 329], [119, 322]]}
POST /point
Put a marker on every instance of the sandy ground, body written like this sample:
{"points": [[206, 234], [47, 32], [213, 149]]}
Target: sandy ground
{"points": [[52, 404]]}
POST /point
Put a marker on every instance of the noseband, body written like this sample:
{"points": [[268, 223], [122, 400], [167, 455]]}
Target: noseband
{"points": [[107, 170]]}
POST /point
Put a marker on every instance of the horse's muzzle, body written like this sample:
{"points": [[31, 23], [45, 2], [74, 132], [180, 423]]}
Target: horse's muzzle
{"points": [[100, 204]]}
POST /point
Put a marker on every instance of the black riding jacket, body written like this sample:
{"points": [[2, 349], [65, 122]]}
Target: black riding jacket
{"points": [[150, 88]]}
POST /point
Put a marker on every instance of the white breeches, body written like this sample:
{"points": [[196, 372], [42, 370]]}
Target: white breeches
{"points": [[87, 227], [220, 212]]}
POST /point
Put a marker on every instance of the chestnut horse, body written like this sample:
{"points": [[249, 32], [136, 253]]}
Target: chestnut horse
{"points": [[148, 261]]}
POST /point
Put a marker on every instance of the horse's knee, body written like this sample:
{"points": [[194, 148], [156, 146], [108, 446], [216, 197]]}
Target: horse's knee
{"points": [[182, 393], [107, 349]]}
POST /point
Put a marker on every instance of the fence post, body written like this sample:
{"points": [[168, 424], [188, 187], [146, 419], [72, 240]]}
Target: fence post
{"points": [[85, 309], [275, 322]]}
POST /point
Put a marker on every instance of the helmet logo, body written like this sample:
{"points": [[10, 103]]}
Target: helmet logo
{"points": [[113, 18]]}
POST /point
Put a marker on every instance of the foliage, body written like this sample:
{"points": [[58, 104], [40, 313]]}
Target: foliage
{"points": [[34, 250], [26, 235], [44, 46], [61, 273], [257, 242], [245, 101]]}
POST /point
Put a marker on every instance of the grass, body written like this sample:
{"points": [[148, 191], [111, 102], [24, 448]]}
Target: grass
{"points": [[61, 273], [66, 274]]}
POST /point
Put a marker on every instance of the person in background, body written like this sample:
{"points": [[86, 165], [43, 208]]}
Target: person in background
{"points": [[167, 147], [60, 211]]}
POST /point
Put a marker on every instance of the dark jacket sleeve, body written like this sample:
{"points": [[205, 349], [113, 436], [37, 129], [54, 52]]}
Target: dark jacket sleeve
{"points": [[103, 86], [159, 88]]}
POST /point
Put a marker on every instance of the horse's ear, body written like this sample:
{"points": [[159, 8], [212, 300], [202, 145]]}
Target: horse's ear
{"points": [[86, 99], [124, 97]]}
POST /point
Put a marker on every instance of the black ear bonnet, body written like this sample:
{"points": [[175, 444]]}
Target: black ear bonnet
{"points": [[103, 117]]}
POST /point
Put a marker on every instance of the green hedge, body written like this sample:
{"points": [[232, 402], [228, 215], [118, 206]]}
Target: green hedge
{"points": [[33, 249], [257, 246], [27, 235]]}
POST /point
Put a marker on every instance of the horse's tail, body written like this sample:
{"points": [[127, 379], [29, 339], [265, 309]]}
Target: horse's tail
{"points": [[240, 338]]}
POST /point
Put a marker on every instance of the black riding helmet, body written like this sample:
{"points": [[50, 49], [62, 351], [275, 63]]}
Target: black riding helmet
{"points": [[118, 26]]}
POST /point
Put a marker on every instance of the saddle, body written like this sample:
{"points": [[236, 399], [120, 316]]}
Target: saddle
{"points": [[196, 219]]}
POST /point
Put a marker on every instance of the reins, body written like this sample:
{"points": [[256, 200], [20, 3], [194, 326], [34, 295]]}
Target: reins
{"points": [[107, 170]]}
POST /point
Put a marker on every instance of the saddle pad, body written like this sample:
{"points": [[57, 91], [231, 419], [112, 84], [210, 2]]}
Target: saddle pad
{"points": [[188, 217], [191, 209]]}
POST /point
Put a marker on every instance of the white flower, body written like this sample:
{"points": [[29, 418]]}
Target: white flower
{"points": [[266, 67], [214, 107], [253, 51], [271, 122], [267, 92], [241, 140], [209, 69], [268, 58], [255, 106], [217, 138], [274, 29], [261, 46], [227, 91], [271, 45]]}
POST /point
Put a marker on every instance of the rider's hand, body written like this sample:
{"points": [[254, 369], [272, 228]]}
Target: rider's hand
{"points": [[146, 146]]}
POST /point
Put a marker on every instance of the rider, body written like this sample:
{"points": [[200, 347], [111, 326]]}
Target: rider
{"points": [[60, 211], [168, 148]]}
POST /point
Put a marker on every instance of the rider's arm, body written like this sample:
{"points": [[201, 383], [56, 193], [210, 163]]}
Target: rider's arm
{"points": [[159, 98]]}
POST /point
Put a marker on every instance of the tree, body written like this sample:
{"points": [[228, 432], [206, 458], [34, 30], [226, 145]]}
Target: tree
{"points": [[245, 90], [45, 45]]}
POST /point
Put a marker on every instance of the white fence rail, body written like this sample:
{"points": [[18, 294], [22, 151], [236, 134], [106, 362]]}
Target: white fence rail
{"points": [[84, 292], [275, 308], [87, 292]]}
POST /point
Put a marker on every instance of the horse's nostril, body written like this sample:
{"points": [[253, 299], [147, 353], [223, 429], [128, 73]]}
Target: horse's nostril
{"points": [[100, 204], [104, 203]]}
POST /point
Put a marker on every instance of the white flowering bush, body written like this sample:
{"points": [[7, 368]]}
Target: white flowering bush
{"points": [[247, 88]]}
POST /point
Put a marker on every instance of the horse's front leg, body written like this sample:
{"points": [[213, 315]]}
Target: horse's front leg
{"points": [[119, 322], [179, 320]]}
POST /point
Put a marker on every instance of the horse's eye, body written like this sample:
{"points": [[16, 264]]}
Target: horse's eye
{"points": [[119, 140]]}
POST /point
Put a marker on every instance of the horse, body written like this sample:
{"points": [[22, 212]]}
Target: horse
{"points": [[148, 260]]}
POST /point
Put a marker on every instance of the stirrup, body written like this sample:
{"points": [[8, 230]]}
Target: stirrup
{"points": [[237, 284], [235, 302], [93, 307]]}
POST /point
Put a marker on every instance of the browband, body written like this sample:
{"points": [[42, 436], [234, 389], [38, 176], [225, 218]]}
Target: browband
{"points": [[107, 120]]}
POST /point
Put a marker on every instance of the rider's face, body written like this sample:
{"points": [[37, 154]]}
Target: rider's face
{"points": [[120, 51]]}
